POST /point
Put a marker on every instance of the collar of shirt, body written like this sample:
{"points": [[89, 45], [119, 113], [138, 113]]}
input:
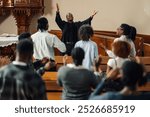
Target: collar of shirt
{"points": [[42, 31], [19, 63]]}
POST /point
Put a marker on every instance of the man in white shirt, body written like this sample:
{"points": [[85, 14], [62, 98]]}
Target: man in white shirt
{"points": [[44, 42]]}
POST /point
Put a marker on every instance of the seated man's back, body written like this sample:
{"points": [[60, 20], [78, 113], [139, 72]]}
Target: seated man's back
{"points": [[21, 82], [77, 82]]}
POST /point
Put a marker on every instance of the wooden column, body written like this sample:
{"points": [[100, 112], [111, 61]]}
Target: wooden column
{"points": [[22, 10], [23, 19]]}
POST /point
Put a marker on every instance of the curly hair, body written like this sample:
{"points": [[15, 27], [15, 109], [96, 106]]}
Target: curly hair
{"points": [[121, 48], [85, 32]]}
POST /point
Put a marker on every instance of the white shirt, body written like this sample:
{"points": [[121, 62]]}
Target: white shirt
{"points": [[117, 62], [123, 38], [44, 44], [91, 52]]}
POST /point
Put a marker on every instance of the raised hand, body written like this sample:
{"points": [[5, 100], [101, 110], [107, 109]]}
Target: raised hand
{"points": [[94, 13], [102, 46], [57, 6], [65, 58]]}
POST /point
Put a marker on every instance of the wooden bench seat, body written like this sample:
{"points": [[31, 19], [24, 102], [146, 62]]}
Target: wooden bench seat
{"points": [[107, 38], [54, 91], [146, 49], [145, 88]]}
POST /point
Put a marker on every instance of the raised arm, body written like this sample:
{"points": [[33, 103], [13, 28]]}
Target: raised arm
{"points": [[58, 19], [87, 21]]}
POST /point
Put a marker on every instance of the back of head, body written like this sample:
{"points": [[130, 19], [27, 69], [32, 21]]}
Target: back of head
{"points": [[132, 34], [77, 55], [42, 24], [129, 31], [121, 49], [25, 35], [25, 47], [85, 32], [133, 75]]}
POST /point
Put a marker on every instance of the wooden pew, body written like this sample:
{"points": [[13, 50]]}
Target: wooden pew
{"points": [[53, 90], [145, 88], [146, 49], [106, 38], [59, 61]]}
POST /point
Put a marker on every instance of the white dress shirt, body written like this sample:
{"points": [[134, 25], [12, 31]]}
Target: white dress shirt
{"points": [[91, 52], [44, 44]]}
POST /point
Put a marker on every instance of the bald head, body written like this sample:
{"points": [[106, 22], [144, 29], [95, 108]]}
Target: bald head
{"points": [[69, 17]]}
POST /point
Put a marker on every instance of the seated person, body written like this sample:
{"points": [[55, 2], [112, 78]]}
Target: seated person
{"points": [[77, 82], [44, 42], [133, 76], [128, 34], [24, 35], [121, 49], [18, 80], [39, 65], [90, 47]]}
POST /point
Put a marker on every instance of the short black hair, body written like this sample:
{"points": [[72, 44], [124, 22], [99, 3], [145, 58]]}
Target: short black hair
{"points": [[25, 35], [77, 55], [25, 47], [42, 24], [133, 74], [85, 32]]}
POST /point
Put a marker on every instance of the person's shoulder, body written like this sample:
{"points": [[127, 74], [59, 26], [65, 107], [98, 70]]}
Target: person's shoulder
{"points": [[111, 60], [116, 39], [78, 43], [86, 71], [106, 96], [34, 34], [64, 68], [52, 35], [4, 68], [92, 42], [7, 68]]}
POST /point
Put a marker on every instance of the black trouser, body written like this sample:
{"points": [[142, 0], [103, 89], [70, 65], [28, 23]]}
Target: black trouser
{"points": [[69, 47]]}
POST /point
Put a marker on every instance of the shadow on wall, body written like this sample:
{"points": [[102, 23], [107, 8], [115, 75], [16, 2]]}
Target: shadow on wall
{"points": [[33, 24], [3, 18], [48, 7]]}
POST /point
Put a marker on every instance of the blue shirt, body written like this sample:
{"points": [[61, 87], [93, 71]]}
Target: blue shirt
{"points": [[91, 52]]}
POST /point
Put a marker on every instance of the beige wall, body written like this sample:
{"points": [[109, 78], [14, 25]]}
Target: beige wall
{"points": [[111, 14]]}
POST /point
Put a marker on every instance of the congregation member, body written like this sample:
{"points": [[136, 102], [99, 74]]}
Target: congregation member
{"points": [[127, 33], [44, 42], [24, 35], [133, 76], [39, 65], [77, 82], [70, 29], [90, 47], [121, 50], [18, 81]]}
